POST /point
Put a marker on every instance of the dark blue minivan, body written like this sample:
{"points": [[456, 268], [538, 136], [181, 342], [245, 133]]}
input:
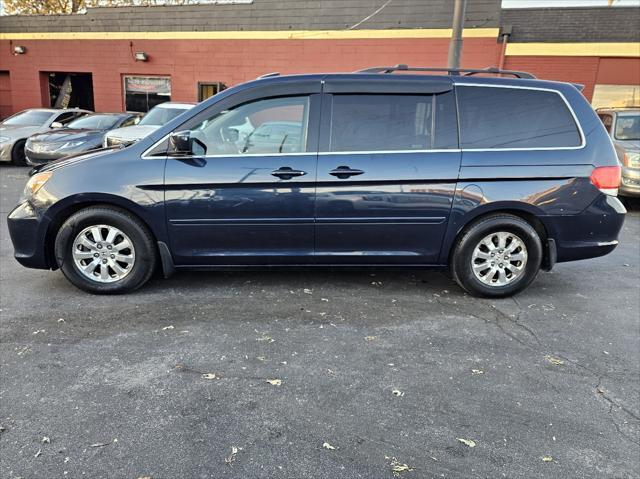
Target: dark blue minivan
{"points": [[494, 177]]}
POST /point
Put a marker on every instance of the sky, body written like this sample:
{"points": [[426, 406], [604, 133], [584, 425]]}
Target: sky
{"points": [[567, 3]]}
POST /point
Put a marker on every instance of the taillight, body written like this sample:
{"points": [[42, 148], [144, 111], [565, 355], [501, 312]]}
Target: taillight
{"points": [[606, 179]]}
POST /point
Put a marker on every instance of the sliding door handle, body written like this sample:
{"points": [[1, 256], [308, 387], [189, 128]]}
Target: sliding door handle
{"points": [[344, 172]]}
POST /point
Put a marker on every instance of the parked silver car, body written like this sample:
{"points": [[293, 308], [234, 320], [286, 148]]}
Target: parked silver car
{"points": [[15, 130], [623, 125], [159, 115]]}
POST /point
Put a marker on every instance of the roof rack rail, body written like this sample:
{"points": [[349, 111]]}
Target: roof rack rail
{"points": [[450, 71], [268, 75]]}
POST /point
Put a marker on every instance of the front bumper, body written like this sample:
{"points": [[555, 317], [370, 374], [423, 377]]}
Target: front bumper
{"points": [[5, 151], [590, 234], [27, 231], [630, 182]]}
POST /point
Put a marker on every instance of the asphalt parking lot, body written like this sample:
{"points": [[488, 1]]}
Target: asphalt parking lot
{"points": [[378, 372]]}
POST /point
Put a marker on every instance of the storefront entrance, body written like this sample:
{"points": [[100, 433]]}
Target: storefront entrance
{"points": [[69, 90]]}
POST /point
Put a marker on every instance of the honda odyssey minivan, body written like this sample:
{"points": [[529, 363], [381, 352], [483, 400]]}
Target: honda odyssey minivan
{"points": [[495, 178]]}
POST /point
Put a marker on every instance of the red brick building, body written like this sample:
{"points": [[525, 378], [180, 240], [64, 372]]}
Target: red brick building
{"points": [[132, 58]]}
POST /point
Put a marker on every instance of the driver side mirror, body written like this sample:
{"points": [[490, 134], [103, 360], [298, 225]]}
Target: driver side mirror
{"points": [[56, 124], [180, 144]]}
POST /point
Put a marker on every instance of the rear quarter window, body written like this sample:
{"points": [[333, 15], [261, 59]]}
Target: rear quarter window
{"points": [[505, 118]]}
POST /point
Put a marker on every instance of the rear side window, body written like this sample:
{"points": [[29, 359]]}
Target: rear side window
{"points": [[393, 122], [514, 118]]}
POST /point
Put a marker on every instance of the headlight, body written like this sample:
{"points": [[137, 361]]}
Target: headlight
{"points": [[36, 182], [70, 144], [4, 139]]}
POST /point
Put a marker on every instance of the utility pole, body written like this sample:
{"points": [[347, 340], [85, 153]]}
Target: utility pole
{"points": [[455, 46]]}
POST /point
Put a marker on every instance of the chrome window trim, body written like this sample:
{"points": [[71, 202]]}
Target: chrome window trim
{"points": [[304, 153], [582, 145], [583, 142]]}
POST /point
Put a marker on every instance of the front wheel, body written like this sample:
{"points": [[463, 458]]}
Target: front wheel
{"points": [[105, 250], [17, 153], [498, 256]]}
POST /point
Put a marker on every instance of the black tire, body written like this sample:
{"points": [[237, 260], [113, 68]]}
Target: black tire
{"points": [[471, 237], [17, 153], [139, 235]]}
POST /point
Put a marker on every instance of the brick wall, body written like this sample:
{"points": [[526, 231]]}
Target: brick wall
{"points": [[227, 61]]}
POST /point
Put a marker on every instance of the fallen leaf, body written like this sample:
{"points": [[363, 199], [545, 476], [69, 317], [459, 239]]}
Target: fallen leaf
{"points": [[547, 459], [46, 440], [467, 442], [209, 376], [397, 467], [230, 459], [275, 382], [61, 320], [397, 393], [477, 371], [370, 338], [167, 327], [554, 361], [326, 445]]}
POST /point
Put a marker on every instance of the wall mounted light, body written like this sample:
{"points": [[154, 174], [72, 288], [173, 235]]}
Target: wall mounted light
{"points": [[141, 56], [19, 50]]}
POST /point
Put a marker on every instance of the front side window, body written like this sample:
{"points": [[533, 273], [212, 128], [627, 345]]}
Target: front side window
{"points": [[607, 121], [392, 122], [496, 118], [68, 116], [269, 126]]}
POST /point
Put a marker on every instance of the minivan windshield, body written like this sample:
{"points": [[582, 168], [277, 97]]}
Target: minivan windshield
{"points": [[628, 127], [161, 116], [29, 118], [94, 122]]}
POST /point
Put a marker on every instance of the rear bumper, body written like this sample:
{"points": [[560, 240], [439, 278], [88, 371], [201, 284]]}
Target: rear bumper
{"points": [[590, 234], [27, 231]]}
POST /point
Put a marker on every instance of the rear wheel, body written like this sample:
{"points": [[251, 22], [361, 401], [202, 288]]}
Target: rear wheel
{"points": [[105, 250], [17, 153], [497, 256]]}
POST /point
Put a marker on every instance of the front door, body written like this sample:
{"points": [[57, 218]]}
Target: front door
{"points": [[248, 196], [387, 170]]}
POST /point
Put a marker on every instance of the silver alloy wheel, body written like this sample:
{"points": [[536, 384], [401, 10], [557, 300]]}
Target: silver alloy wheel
{"points": [[103, 253], [499, 259]]}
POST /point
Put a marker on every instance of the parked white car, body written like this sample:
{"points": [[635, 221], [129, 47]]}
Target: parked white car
{"points": [[158, 116]]}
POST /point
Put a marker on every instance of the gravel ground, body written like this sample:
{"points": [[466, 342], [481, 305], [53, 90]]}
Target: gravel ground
{"points": [[378, 370]]}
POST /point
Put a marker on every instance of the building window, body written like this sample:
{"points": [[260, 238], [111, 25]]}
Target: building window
{"points": [[141, 93], [616, 96], [208, 89]]}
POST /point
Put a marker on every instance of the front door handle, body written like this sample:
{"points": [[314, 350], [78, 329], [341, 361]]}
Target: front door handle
{"points": [[286, 173], [344, 172]]}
